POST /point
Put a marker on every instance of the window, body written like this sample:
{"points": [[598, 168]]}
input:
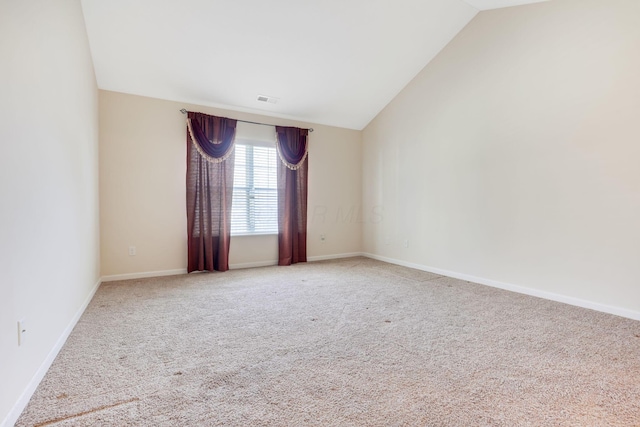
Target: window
{"points": [[255, 199]]}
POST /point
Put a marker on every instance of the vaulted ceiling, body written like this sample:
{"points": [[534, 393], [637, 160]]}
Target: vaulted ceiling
{"points": [[334, 62]]}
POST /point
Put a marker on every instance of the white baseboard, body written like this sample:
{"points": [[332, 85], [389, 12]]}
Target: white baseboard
{"points": [[236, 266], [309, 259], [242, 265], [22, 402], [334, 256], [144, 275], [618, 311]]}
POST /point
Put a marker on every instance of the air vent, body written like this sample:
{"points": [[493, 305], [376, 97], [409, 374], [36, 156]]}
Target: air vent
{"points": [[269, 99]]}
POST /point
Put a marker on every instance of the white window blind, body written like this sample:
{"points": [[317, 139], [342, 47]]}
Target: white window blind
{"points": [[254, 209]]}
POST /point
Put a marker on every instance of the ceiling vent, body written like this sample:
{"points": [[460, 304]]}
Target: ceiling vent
{"points": [[269, 99]]}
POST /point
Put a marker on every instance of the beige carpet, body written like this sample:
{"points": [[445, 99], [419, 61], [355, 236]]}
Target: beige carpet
{"points": [[353, 342]]}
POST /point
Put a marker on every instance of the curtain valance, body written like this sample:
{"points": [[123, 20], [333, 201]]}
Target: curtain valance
{"points": [[292, 146], [212, 136]]}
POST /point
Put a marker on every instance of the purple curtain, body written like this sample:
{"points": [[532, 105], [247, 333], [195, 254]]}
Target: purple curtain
{"points": [[292, 148], [210, 160]]}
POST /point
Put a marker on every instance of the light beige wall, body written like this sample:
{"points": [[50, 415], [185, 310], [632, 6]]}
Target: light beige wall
{"points": [[142, 188], [513, 156], [49, 231]]}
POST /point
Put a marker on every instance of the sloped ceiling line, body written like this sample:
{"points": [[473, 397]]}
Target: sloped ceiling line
{"points": [[327, 61]]}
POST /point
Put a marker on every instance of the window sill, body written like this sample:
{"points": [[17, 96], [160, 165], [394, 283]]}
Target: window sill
{"points": [[254, 234]]}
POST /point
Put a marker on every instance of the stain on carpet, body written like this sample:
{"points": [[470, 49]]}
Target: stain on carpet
{"points": [[90, 411]]}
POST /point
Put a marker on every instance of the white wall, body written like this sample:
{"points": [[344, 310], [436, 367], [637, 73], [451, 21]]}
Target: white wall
{"points": [[49, 233], [142, 188], [513, 157]]}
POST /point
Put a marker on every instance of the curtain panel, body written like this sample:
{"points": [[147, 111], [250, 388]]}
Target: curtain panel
{"points": [[210, 161], [292, 147]]}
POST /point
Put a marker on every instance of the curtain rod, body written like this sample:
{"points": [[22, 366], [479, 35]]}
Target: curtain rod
{"points": [[184, 111]]}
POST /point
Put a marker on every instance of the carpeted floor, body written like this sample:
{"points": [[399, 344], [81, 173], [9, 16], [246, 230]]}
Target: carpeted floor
{"points": [[352, 342]]}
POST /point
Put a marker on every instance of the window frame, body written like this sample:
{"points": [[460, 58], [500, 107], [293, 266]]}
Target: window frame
{"points": [[256, 143]]}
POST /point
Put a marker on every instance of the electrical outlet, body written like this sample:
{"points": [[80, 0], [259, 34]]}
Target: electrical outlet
{"points": [[405, 243], [323, 238], [132, 250], [22, 331]]}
